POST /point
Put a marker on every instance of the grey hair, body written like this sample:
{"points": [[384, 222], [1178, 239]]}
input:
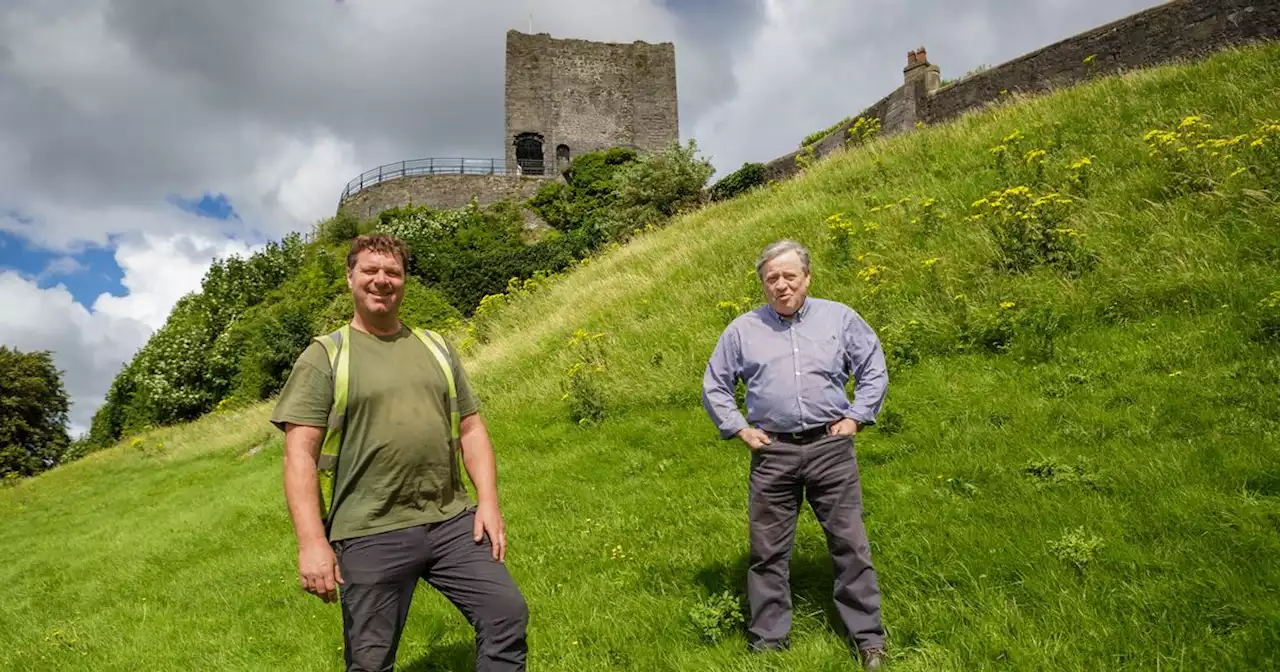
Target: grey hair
{"points": [[779, 248]]}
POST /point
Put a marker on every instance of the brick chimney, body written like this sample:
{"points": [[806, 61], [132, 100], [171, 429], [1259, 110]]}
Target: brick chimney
{"points": [[919, 69]]}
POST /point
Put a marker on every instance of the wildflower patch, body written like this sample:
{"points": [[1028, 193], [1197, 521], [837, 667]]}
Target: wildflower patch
{"points": [[583, 381], [1032, 231]]}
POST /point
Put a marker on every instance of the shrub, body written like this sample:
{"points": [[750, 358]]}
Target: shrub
{"points": [[742, 180], [662, 184], [470, 253]]}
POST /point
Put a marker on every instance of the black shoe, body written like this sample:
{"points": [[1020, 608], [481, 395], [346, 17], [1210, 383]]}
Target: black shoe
{"points": [[874, 660], [763, 645]]}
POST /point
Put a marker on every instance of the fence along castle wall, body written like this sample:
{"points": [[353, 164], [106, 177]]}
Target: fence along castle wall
{"points": [[1179, 29]]}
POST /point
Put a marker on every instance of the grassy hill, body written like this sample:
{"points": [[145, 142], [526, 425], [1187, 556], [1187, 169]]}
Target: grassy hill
{"points": [[1078, 466]]}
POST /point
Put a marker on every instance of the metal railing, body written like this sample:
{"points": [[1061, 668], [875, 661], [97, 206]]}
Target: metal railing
{"points": [[392, 171]]}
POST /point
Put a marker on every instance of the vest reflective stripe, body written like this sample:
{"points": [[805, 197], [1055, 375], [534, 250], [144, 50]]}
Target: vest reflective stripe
{"points": [[337, 347], [435, 343]]}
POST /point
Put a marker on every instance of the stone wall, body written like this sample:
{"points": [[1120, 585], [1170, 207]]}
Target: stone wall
{"points": [[441, 192], [1176, 30], [589, 95]]}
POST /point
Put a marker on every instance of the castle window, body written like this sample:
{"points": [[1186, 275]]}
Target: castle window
{"points": [[529, 153], [562, 153]]}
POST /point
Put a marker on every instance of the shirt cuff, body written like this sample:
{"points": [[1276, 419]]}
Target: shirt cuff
{"points": [[860, 418], [732, 425]]}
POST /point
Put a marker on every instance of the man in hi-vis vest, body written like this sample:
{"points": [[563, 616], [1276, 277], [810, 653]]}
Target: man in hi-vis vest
{"points": [[376, 416]]}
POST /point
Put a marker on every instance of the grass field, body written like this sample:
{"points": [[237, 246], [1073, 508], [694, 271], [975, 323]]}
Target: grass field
{"points": [[1078, 467]]}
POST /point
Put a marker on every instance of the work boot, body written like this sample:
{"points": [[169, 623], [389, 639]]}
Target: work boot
{"points": [[874, 660]]}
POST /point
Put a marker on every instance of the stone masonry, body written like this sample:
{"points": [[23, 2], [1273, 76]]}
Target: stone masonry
{"points": [[584, 96], [441, 192]]}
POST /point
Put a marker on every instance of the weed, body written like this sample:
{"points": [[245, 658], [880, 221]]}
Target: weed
{"points": [[583, 380], [1077, 547], [718, 616]]}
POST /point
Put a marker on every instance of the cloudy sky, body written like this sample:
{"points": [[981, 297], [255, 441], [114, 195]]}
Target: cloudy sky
{"points": [[139, 140]]}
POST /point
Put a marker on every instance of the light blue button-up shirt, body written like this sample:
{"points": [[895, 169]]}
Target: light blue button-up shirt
{"points": [[795, 370]]}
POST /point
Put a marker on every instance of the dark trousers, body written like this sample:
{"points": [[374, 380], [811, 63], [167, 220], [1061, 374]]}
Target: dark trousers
{"points": [[381, 571], [782, 475]]}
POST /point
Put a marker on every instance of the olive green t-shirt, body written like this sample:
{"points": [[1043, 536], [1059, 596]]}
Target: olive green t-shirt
{"points": [[396, 467]]}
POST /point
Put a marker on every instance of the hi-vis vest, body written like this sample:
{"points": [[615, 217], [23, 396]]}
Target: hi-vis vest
{"points": [[338, 347]]}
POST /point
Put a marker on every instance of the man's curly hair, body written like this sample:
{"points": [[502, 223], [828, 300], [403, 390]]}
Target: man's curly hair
{"points": [[378, 242]]}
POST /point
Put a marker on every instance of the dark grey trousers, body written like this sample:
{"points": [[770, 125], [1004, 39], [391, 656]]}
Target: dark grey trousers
{"points": [[381, 571], [782, 475]]}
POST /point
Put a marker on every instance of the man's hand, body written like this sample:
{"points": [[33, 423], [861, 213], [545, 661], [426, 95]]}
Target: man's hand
{"points": [[754, 437], [843, 427], [489, 521], [318, 570]]}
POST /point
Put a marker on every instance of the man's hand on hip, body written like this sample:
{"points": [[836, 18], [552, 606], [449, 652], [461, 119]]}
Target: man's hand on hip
{"points": [[318, 569], [843, 427], [754, 437], [489, 521]]}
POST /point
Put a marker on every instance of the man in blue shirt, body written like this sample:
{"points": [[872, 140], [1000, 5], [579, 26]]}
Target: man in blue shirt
{"points": [[795, 355]]}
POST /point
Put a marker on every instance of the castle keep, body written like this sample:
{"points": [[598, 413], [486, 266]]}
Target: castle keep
{"points": [[566, 97]]}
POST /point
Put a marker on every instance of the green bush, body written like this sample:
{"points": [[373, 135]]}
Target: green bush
{"points": [[470, 253], [340, 229], [169, 372], [588, 193], [742, 180], [662, 184]]}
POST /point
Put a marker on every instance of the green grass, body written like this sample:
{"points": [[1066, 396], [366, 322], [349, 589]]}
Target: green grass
{"points": [[1135, 404]]}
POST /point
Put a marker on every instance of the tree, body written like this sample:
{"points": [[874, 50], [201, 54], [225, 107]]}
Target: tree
{"points": [[33, 413]]}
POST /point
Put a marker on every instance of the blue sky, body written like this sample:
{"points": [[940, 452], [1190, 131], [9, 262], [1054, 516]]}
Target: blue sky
{"points": [[90, 270], [86, 273]]}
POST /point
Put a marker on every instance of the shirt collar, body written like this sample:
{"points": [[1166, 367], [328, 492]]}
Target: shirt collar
{"points": [[798, 317]]}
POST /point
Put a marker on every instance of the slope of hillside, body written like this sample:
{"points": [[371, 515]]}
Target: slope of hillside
{"points": [[1077, 467]]}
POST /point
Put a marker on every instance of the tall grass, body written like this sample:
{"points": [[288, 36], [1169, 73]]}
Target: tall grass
{"points": [[1077, 467]]}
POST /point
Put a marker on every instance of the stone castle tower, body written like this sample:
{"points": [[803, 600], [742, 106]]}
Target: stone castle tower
{"points": [[566, 96]]}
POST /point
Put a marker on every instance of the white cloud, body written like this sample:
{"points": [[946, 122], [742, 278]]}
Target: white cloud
{"points": [[159, 271], [90, 345]]}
